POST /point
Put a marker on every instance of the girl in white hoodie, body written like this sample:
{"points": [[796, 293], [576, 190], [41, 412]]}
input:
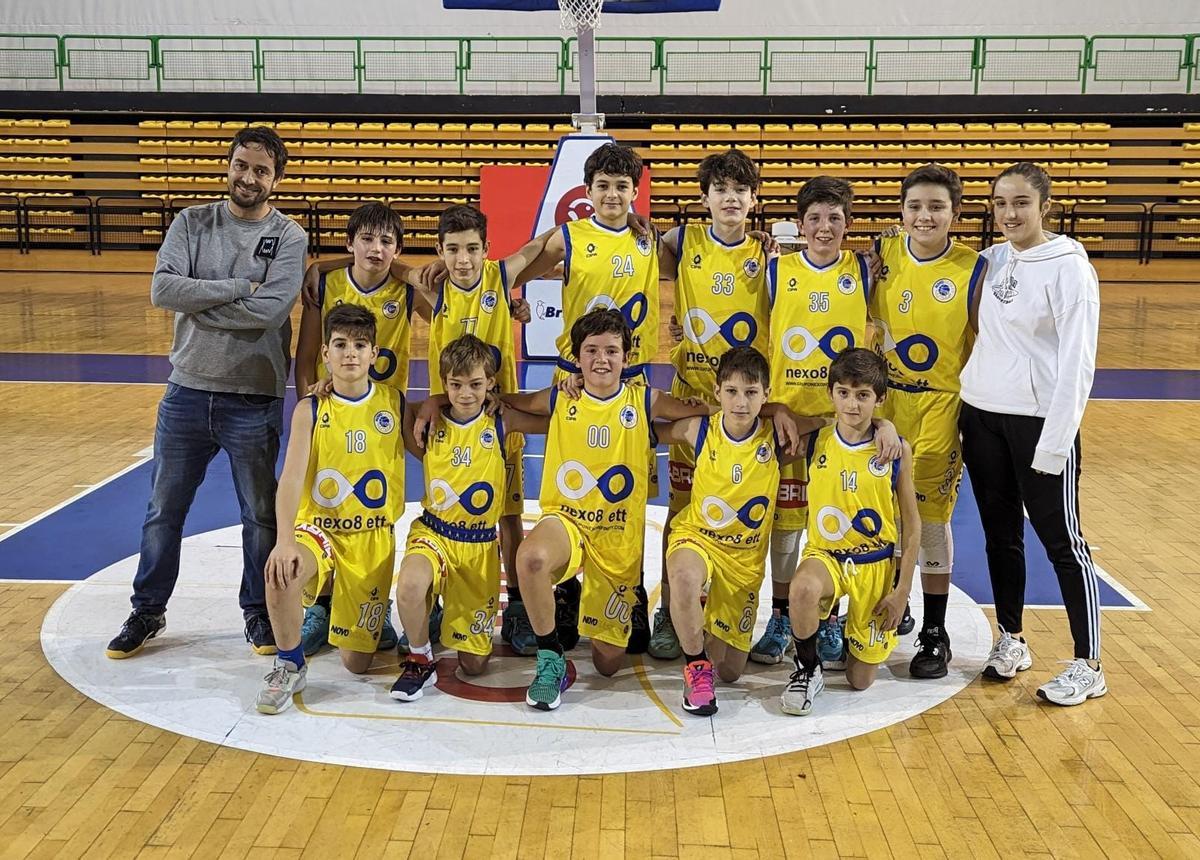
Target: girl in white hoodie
{"points": [[1024, 390]]}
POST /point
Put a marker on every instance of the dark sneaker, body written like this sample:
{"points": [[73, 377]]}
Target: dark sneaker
{"points": [[639, 623], [416, 674], [260, 635], [933, 653], [566, 612], [907, 622], [516, 630], [138, 627]]}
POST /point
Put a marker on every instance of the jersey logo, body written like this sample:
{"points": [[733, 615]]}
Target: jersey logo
{"points": [[763, 454], [643, 245], [391, 309], [324, 420], [878, 468], [696, 261], [268, 246], [488, 301], [629, 417], [385, 422], [487, 438], [1005, 291], [846, 285], [944, 290], [591, 249], [791, 285], [751, 268]]}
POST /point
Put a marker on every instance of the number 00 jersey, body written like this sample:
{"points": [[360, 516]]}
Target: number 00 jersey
{"points": [[733, 489], [924, 307], [482, 310], [355, 476], [596, 469], [816, 312], [607, 268], [851, 497], [464, 473], [392, 303], [721, 302]]}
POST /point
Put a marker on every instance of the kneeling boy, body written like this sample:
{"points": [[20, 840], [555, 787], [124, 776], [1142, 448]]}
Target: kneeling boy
{"points": [[853, 496], [343, 487]]}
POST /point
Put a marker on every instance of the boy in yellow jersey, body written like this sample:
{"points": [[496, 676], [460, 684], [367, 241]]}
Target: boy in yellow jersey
{"points": [[720, 303], [452, 546], [593, 496], [819, 299], [925, 307], [720, 538], [343, 487], [854, 494]]}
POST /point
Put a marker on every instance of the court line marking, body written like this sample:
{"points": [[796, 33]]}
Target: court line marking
{"points": [[639, 665]]}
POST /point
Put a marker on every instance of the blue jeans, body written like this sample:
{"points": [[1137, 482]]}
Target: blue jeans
{"points": [[192, 426]]}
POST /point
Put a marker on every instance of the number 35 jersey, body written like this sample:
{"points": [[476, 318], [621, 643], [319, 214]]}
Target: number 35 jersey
{"points": [[355, 476], [596, 469], [816, 312]]}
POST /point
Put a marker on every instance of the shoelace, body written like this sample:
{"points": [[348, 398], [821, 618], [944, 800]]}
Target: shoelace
{"points": [[546, 671], [1076, 669], [411, 670], [799, 681], [775, 626], [277, 678], [1007, 647], [700, 679]]}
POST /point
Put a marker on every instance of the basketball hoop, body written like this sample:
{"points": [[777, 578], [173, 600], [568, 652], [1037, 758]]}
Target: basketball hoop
{"points": [[579, 15]]}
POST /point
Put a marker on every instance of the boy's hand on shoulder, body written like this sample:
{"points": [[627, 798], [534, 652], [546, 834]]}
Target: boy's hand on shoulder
{"points": [[640, 224], [492, 402], [321, 388], [571, 385], [675, 329], [787, 429], [887, 441], [428, 415], [521, 311], [432, 275], [891, 609], [874, 261], [769, 245]]}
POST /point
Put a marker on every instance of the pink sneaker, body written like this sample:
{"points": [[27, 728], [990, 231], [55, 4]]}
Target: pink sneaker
{"points": [[699, 696]]}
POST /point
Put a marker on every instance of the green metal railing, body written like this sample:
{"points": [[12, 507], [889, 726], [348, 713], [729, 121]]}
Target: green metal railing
{"points": [[627, 65]]}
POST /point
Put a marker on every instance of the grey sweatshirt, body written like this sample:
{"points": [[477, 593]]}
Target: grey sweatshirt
{"points": [[228, 338]]}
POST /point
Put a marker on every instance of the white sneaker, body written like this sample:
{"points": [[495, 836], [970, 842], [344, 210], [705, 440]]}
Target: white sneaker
{"points": [[1075, 685], [281, 683], [801, 691], [1009, 656]]}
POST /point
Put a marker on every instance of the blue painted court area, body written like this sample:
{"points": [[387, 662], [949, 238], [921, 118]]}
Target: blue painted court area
{"points": [[104, 524]]}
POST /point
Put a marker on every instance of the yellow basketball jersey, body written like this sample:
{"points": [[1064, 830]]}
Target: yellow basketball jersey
{"points": [[924, 306], [851, 497], [482, 310], [734, 487], [720, 300], [392, 303], [355, 477], [816, 312], [609, 268], [464, 473], [596, 467]]}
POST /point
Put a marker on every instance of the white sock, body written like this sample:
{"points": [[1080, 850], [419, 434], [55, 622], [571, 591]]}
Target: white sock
{"points": [[425, 651]]}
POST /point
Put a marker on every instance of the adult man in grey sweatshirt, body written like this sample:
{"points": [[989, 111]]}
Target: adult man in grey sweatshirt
{"points": [[231, 272]]}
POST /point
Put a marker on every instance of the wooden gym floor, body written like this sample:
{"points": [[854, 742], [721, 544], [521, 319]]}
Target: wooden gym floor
{"points": [[988, 773]]}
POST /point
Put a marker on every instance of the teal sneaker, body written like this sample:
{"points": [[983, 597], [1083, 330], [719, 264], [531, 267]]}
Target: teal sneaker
{"points": [[775, 642], [435, 628], [831, 644], [314, 634], [664, 644], [516, 630], [387, 636], [549, 680]]}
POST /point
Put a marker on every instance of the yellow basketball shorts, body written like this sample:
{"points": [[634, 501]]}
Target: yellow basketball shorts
{"points": [[467, 576], [363, 563], [607, 601], [791, 502], [865, 584], [929, 421], [514, 475], [681, 459], [734, 580]]}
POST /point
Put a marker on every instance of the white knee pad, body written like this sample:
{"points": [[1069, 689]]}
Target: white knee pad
{"points": [[937, 548], [785, 554]]}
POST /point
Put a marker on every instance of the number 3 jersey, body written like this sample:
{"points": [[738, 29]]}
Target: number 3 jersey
{"points": [[355, 476], [610, 268], [851, 498], [596, 471]]}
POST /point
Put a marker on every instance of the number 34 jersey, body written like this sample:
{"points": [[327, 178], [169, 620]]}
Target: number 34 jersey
{"points": [[355, 476]]}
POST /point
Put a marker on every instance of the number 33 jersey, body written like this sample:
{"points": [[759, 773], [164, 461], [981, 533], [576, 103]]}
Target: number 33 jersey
{"points": [[355, 476]]}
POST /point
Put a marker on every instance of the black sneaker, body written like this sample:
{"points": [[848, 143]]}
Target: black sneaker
{"points": [[907, 623], [933, 653], [260, 635], [639, 622], [566, 612], [138, 627]]}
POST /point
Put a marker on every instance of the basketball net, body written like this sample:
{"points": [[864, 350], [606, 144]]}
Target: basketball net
{"points": [[582, 17]]}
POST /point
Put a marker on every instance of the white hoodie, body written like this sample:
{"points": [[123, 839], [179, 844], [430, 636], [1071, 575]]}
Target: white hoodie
{"points": [[1035, 354]]}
